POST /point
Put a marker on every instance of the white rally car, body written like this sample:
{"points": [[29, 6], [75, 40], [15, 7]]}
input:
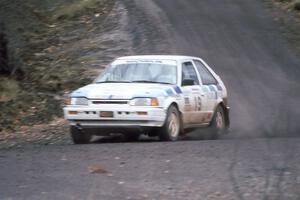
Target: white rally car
{"points": [[161, 96]]}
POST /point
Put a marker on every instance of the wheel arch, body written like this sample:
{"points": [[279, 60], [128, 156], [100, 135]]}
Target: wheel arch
{"points": [[226, 111], [175, 104]]}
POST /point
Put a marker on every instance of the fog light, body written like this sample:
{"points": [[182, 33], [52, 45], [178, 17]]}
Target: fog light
{"points": [[142, 113], [73, 112]]}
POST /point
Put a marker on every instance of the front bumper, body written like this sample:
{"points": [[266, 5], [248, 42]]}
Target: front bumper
{"points": [[123, 116]]}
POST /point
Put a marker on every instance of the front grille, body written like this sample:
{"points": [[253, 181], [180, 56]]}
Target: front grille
{"points": [[109, 102]]}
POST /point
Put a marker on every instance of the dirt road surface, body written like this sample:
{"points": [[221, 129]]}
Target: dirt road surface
{"points": [[260, 158], [224, 169]]}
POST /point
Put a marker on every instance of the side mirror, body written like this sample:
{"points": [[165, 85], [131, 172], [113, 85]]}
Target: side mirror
{"points": [[188, 82]]}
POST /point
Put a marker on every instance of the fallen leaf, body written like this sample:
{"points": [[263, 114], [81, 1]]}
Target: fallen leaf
{"points": [[96, 169]]}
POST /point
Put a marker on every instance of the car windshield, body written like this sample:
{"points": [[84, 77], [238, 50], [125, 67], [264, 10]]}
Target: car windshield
{"points": [[144, 72]]}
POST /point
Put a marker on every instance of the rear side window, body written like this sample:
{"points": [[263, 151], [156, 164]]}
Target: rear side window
{"points": [[206, 77], [189, 72]]}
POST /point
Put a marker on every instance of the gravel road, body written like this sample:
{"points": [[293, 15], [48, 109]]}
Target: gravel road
{"points": [[260, 159], [242, 42], [224, 169]]}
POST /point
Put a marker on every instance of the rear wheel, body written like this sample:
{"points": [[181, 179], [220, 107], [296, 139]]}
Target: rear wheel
{"points": [[79, 136], [171, 129], [218, 123]]}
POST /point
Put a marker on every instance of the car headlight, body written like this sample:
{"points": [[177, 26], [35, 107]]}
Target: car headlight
{"points": [[79, 101], [144, 102]]}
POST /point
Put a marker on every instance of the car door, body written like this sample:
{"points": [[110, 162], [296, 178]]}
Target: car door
{"points": [[210, 90], [192, 94]]}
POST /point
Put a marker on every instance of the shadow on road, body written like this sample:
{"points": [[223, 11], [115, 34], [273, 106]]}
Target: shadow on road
{"points": [[193, 136], [196, 135]]}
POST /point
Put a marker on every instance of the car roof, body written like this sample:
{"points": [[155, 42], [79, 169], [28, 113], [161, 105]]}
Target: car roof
{"points": [[158, 57]]}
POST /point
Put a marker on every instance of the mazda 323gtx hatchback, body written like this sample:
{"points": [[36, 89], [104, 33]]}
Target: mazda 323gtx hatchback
{"points": [[164, 96]]}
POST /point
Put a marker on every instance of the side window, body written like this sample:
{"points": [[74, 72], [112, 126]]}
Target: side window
{"points": [[189, 72], [206, 77]]}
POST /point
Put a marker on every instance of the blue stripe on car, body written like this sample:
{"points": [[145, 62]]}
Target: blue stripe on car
{"points": [[219, 87], [177, 90], [170, 92], [213, 88]]}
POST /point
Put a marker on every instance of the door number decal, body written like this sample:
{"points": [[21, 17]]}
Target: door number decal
{"points": [[198, 103]]}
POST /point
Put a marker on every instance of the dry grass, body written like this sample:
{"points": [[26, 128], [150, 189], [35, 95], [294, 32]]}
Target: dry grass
{"points": [[9, 89], [69, 11], [50, 54]]}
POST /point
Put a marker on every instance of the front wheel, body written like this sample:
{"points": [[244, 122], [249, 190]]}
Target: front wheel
{"points": [[79, 136], [218, 124], [171, 129]]}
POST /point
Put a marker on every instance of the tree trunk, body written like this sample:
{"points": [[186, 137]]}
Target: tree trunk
{"points": [[8, 67], [4, 66]]}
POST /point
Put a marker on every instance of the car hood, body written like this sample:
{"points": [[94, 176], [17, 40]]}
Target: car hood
{"points": [[125, 90]]}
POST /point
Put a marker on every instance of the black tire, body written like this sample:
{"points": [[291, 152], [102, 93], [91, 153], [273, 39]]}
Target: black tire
{"points": [[218, 123], [79, 136], [168, 133]]}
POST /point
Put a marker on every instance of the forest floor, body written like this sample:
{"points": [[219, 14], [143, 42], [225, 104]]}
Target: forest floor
{"points": [[59, 46]]}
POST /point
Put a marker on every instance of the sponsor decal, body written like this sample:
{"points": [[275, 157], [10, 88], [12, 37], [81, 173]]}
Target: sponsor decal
{"points": [[141, 60], [186, 101], [198, 103], [208, 116]]}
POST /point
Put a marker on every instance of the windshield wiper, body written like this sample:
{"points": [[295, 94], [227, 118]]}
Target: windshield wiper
{"points": [[146, 81], [113, 82]]}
